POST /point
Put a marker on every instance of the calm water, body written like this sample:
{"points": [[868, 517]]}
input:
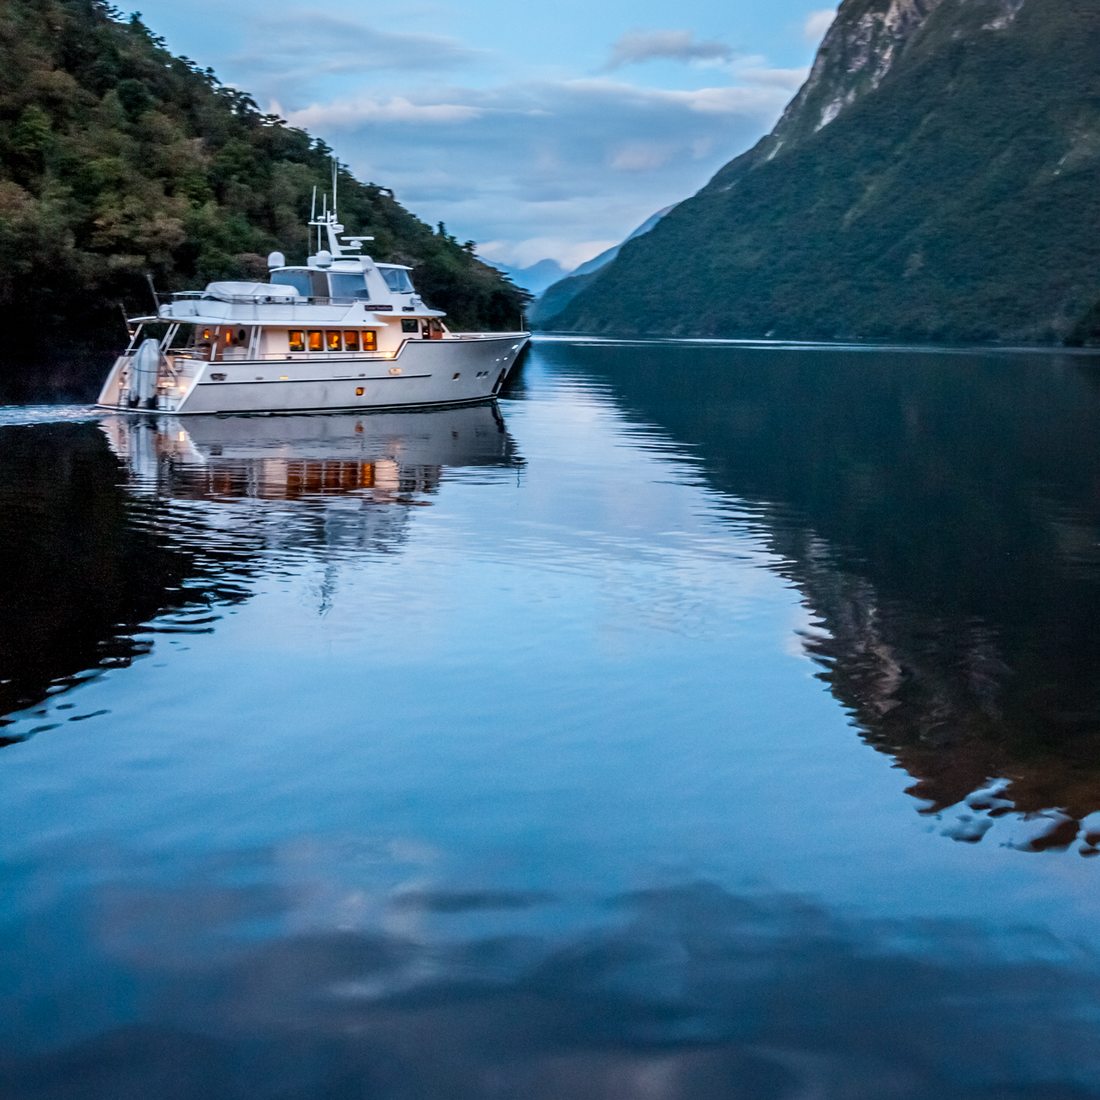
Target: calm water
{"points": [[700, 722]]}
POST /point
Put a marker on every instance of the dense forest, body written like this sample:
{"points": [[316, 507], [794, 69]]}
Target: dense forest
{"points": [[119, 159], [937, 179]]}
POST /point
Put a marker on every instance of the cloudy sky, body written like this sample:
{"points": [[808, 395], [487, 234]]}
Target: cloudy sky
{"points": [[548, 130]]}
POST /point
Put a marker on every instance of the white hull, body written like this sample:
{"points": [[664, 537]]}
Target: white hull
{"points": [[452, 371]]}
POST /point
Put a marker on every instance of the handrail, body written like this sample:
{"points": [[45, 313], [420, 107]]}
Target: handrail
{"points": [[274, 299]]}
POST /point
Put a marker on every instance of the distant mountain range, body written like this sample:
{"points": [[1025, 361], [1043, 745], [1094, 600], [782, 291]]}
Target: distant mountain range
{"points": [[535, 278], [553, 298], [937, 178], [540, 277]]}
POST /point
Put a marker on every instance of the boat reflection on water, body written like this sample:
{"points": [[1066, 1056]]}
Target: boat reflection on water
{"points": [[203, 508], [363, 464], [386, 456]]}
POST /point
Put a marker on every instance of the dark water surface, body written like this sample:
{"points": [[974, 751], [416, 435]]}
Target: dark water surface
{"points": [[700, 722]]}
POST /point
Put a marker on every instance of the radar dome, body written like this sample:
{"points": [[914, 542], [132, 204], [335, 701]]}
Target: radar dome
{"points": [[276, 259]]}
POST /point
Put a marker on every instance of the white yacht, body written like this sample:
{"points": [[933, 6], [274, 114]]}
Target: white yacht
{"points": [[342, 332]]}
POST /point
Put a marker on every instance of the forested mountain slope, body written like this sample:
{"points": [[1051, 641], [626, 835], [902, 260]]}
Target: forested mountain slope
{"points": [[118, 158], [936, 179]]}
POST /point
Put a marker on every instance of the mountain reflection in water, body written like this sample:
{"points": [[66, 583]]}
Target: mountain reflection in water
{"points": [[940, 514]]}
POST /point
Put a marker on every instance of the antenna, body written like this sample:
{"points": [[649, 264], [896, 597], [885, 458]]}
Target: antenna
{"points": [[153, 290], [335, 183]]}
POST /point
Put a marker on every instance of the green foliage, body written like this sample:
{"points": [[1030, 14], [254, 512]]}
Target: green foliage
{"points": [[957, 201], [118, 158]]}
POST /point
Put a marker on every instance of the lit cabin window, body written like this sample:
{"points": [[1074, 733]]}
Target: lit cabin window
{"points": [[351, 340], [296, 340], [370, 341], [316, 340], [332, 341]]}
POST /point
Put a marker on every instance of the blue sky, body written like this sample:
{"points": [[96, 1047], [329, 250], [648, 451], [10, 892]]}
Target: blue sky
{"points": [[543, 131]]}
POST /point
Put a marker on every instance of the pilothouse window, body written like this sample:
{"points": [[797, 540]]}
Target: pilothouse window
{"points": [[297, 278], [397, 279], [345, 285]]}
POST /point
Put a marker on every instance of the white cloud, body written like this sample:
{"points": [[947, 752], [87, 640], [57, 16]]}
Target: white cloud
{"points": [[343, 115], [294, 50], [790, 79], [726, 99], [817, 23], [640, 156], [558, 169], [677, 45]]}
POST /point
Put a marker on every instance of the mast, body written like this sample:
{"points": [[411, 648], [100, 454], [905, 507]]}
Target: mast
{"points": [[328, 224]]}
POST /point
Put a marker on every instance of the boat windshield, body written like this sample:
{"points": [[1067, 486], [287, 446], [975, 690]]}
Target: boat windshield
{"points": [[345, 285], [297, 278], [397, 279]]}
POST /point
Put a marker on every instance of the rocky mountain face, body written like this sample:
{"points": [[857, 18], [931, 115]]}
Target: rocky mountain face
{"points": [[934, 179], [859, 49]]}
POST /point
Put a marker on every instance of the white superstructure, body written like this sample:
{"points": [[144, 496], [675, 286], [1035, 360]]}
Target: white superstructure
{"points": [[341, 332]]}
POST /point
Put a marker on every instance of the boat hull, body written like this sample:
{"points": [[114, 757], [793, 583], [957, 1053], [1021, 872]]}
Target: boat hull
{"points": [[422, 373]]}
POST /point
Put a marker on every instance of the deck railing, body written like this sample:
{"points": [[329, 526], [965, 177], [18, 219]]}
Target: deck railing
{"points": [[276, 299]]}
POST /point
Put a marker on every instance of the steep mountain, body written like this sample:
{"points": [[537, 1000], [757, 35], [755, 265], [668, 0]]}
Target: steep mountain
{"points": [[118, 158], [936, 178], [554, 298]]}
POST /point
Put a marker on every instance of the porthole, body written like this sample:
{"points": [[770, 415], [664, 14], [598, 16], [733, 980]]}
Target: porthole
{"points": [[359, 391], [456, 376], [395, 371], [217, 377]]}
